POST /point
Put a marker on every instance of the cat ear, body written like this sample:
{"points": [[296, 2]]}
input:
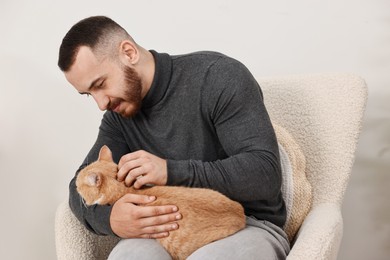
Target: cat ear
{"points": [[105, 154], [94, 179]]}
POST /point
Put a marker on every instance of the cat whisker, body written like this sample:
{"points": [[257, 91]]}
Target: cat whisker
{"points": [[83, 202]]}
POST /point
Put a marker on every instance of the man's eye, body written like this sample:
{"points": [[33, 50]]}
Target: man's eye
{"points": [[98, 86], [101, 85]]}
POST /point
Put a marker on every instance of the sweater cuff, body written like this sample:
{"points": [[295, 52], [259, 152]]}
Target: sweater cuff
{"points": [[178, 172], [102, 220]]}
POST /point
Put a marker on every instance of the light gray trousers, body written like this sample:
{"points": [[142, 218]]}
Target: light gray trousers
{"points": [[258, 240]]}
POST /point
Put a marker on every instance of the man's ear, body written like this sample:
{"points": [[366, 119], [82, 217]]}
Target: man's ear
{"points": [[129, 52]]}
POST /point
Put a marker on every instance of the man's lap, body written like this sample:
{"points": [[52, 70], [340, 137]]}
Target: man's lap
{"points": [[259, 240]]}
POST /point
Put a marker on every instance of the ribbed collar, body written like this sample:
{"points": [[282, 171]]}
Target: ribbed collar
{"points": [[161, 79]]}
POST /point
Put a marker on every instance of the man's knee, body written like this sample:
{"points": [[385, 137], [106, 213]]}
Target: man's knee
{"points": [[143, 249], [249, 243]]}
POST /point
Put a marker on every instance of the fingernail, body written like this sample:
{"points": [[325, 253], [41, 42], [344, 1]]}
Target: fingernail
{"points": [[152, 197], [178, 216], [174, 226], [174, 209]]}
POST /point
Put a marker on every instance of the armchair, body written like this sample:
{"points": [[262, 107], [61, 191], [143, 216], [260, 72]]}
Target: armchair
{"points": [[323, 113]]}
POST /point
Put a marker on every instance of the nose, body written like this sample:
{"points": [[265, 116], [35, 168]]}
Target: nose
{"points": [[101, 100]]}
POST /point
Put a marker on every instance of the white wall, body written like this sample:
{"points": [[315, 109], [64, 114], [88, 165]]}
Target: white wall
{"points": [[46, 128]]}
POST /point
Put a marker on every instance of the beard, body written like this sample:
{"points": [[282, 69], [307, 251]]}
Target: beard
{"points": [[133, 92]]}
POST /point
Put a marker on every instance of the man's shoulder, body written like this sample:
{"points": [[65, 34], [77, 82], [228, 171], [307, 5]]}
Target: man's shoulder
{"points": [[199, 55], [202, 57], [207, 59]]}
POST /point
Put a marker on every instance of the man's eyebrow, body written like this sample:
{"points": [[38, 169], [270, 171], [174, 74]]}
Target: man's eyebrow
{"points": [[92, 85]]}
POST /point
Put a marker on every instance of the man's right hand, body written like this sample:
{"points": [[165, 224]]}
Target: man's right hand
{"points": [[128, 220]]}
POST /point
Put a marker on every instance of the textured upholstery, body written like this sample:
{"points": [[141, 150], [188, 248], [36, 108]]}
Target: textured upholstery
{"points": [[296, 188], [323, 114]]}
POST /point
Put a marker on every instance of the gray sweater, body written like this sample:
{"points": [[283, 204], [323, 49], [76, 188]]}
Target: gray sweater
{"points": [[205, 114]]}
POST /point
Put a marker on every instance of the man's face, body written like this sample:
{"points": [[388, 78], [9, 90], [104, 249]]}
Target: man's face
{"points": [[114, 87]]}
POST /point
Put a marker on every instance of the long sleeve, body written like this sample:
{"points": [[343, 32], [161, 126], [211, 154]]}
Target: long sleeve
{"points": [[96, 217], [251, 171]]}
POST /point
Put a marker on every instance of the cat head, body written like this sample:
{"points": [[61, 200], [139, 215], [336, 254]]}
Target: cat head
{"points": [[97, 182]]}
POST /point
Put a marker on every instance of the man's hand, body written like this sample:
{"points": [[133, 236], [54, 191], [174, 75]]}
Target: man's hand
{"points": [[142, 168], [128, 220]]}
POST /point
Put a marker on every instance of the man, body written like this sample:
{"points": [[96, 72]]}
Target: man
{"points": [[194, 120]]}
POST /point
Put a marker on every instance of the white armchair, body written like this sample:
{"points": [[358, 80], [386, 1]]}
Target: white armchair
{"points": [[323, 113]]}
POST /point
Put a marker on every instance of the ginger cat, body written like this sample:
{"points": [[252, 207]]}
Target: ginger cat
{"points": [[207, 215]]}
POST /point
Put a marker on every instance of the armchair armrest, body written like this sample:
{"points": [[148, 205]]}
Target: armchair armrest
{"points": [[320, 234], [74, 241]]}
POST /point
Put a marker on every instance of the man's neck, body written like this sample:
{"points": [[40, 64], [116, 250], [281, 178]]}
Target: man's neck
{"points": [[146, 70]]}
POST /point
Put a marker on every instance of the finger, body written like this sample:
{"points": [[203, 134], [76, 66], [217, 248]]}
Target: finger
{"points": [[157, 235], [160, 220], [127, 167], [131, 156], [160, 228], [127, 157], [135, 175], [153, 211], [137, 199], [143, 180]]}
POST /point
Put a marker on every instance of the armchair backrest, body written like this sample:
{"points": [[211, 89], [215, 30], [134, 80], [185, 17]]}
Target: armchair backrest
{"points": [[323, 113]]}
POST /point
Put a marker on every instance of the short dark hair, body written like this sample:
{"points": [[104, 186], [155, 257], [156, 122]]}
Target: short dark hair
{"points": [[89, 32]]}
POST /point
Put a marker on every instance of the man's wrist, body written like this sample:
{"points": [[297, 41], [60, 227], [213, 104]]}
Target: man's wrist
{"points": [[178, 172]]}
